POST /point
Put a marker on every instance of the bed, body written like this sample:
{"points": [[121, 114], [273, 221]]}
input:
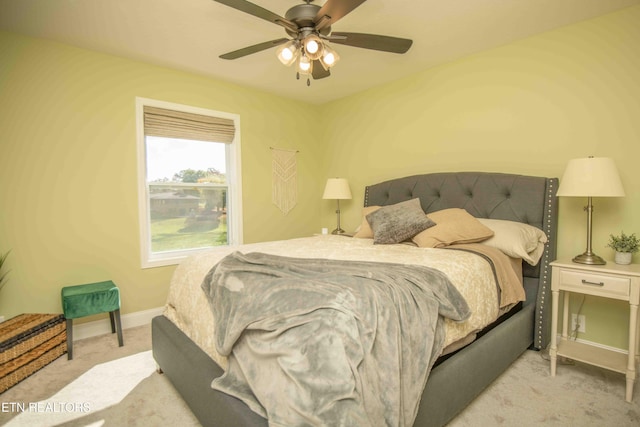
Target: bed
{"points": [[187, 355]]}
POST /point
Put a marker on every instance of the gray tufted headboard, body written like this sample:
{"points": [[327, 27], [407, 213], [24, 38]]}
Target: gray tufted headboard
{"points": [[528, 199]]}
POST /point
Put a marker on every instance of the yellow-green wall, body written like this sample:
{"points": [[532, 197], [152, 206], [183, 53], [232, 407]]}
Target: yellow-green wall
{"points": [[68, 200], [527, 107], [68, 189]]}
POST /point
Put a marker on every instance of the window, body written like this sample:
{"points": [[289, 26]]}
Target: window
{"points": [[188, 180]]}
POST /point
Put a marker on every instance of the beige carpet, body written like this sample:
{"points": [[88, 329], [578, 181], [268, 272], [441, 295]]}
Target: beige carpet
{"points": [[104, 385], [107, 385]]}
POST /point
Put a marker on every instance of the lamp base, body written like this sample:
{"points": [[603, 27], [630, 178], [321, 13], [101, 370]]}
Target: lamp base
{"points": [[589, 258], [338, 231]]}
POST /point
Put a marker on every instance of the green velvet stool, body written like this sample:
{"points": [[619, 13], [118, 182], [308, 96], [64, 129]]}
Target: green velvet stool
{"points": [[86, 300]]}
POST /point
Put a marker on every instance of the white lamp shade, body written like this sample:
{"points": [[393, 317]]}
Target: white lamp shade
{"points": [[305, 65], [591, 177], [337, 188], [313, 46], [329, 57], [288, 53]]}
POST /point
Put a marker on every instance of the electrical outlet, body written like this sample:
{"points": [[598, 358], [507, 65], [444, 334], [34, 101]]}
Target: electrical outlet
{"points": [[580, 320]]}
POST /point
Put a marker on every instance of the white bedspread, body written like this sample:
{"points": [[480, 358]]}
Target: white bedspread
{"points": [[472, 275]]}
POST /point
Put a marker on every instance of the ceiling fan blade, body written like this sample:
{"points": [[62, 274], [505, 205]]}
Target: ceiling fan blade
{"points": [[253, 49], [333, 10], [318, 71], [260, 12], [372, 41]]}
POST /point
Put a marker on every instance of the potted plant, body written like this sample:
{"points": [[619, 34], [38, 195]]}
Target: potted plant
{"points": [[625, 246], [3, 273]]}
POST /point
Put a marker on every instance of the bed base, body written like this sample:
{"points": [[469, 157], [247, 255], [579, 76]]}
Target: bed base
{"points": [[191, 371], [455, 382], [452, 385]]}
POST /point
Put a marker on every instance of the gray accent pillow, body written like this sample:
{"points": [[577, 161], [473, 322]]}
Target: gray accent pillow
{"points": [[399, 222]]}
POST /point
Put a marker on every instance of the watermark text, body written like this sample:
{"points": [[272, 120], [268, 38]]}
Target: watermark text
{"points": [[45, 407]]}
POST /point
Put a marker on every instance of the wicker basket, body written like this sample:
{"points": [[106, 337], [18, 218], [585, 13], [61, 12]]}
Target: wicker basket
{"points": [[29, 342]]}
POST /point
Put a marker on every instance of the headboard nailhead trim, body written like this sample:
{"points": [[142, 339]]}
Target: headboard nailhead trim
{"points": [[545, 266]]}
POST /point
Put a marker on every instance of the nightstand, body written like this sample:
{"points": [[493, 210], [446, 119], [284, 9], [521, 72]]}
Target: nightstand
{"points": [[621, 282]]}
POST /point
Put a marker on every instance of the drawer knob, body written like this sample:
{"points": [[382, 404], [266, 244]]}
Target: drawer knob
{"points": [[586, 282]]}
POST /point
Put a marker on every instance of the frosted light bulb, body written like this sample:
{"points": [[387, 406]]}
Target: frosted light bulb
{"points": [[312, 46], [287, 54], [329, 59]]}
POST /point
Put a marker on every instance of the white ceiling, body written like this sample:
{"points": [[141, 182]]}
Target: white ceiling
{"points": [[190, 34]]}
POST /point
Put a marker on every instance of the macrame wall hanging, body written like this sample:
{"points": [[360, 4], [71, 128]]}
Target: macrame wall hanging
{"points": [[284, 193]]}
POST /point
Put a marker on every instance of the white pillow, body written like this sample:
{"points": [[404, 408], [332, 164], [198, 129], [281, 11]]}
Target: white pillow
{"points": [[516, 239]]}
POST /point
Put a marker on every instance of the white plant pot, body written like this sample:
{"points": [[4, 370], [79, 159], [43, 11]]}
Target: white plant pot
{"points": [[623, 257]]}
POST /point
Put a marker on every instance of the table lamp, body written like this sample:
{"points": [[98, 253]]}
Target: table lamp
{"points": [[338, 189], [590, 177]]}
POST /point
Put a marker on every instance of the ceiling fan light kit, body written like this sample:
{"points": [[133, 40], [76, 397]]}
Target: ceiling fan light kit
{"points": [[309, 27]]}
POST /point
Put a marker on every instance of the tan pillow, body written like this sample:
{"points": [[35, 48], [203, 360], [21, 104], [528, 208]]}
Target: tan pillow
{"points": [[453, 225], [365, 231]]}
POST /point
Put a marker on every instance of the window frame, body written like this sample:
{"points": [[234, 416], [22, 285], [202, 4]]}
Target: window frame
{"points": [[234, 182]]}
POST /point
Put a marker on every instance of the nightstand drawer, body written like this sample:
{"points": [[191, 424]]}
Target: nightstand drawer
{"points": [[597, 284]]}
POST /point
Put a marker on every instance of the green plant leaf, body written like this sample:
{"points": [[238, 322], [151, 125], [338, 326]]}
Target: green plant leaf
{"points": [[624, 243], [3, 275]]}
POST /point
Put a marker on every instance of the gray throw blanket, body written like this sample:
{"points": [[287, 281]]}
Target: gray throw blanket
{"points": [[328, 343]]}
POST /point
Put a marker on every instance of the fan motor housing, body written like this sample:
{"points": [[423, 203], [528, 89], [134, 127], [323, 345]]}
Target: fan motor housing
{"points": [[304, 15]]}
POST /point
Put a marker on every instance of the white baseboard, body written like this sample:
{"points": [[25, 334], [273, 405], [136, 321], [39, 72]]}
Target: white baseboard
{"points": [[100, 327]]}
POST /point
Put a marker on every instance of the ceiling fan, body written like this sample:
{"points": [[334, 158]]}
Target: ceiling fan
{"points": [[309, 29]]}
